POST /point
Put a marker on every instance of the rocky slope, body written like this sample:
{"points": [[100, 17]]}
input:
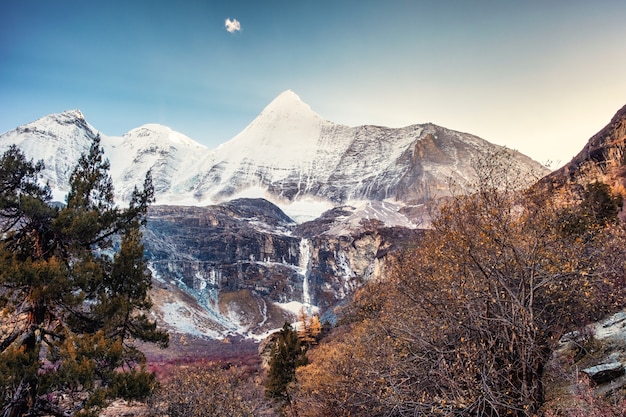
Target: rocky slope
{"points": [[588, 370], [602, 159]]}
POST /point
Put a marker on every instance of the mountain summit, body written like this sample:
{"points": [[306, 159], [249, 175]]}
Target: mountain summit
{"points": [[288, 105], [289, 152], [58, 140], [283, 135]]}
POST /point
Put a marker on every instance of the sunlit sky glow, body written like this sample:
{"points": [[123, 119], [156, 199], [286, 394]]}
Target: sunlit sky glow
{"points": [[539, 76]]}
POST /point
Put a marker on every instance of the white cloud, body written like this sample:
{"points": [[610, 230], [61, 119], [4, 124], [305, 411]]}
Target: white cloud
{"points": [[232, 25]]}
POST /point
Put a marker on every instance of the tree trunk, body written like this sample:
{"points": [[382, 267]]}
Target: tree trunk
{"points": [[18, 405]]}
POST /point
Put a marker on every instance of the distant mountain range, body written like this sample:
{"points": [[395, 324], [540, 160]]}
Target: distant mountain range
{"points": [[225, 261], [288, 153]]}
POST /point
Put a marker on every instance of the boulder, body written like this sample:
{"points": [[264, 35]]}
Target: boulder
{"points": [[601, 374]]}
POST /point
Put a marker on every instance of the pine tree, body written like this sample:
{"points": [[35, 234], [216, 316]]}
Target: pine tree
{"points": [[287, 354], [71, 305]]}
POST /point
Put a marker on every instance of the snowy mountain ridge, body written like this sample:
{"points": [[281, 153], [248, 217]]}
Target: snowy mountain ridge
{"points": [[286, 154], [60, 139]]}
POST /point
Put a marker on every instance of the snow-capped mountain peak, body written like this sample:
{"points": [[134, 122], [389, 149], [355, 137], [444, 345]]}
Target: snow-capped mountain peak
{"points": [[68, 123], [285, 120], [58, 140], [150, 147], [69, 116], [283, 137], [158, 133], [288, 105]]}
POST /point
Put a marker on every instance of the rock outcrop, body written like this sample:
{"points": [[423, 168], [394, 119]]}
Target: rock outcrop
{"points": [[602, 159]]}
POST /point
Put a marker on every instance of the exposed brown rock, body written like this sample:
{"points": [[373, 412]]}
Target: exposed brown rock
{"points": [[602, 159]]}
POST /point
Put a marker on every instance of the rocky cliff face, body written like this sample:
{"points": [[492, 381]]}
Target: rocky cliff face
{"points": [[239, 248], [251, 268], [602, 159]]}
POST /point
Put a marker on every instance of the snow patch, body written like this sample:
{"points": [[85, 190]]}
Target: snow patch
{"points": [[253, 192], [304, 210], [180, 317], [385, 212], [295, 307], [614, 327]]}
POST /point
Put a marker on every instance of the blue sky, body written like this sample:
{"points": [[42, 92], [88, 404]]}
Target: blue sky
{"points": [[537, 76]]}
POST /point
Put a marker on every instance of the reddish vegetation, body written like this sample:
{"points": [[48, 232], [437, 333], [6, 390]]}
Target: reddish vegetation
{"points": [[187, 351]]}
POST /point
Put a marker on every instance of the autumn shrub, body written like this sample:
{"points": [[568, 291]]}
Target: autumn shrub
{"points": [[210, 389], [348, 376], [469, 319]]}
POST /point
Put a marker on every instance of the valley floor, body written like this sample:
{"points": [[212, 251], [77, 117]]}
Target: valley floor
{"points": [[184, 348]]}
